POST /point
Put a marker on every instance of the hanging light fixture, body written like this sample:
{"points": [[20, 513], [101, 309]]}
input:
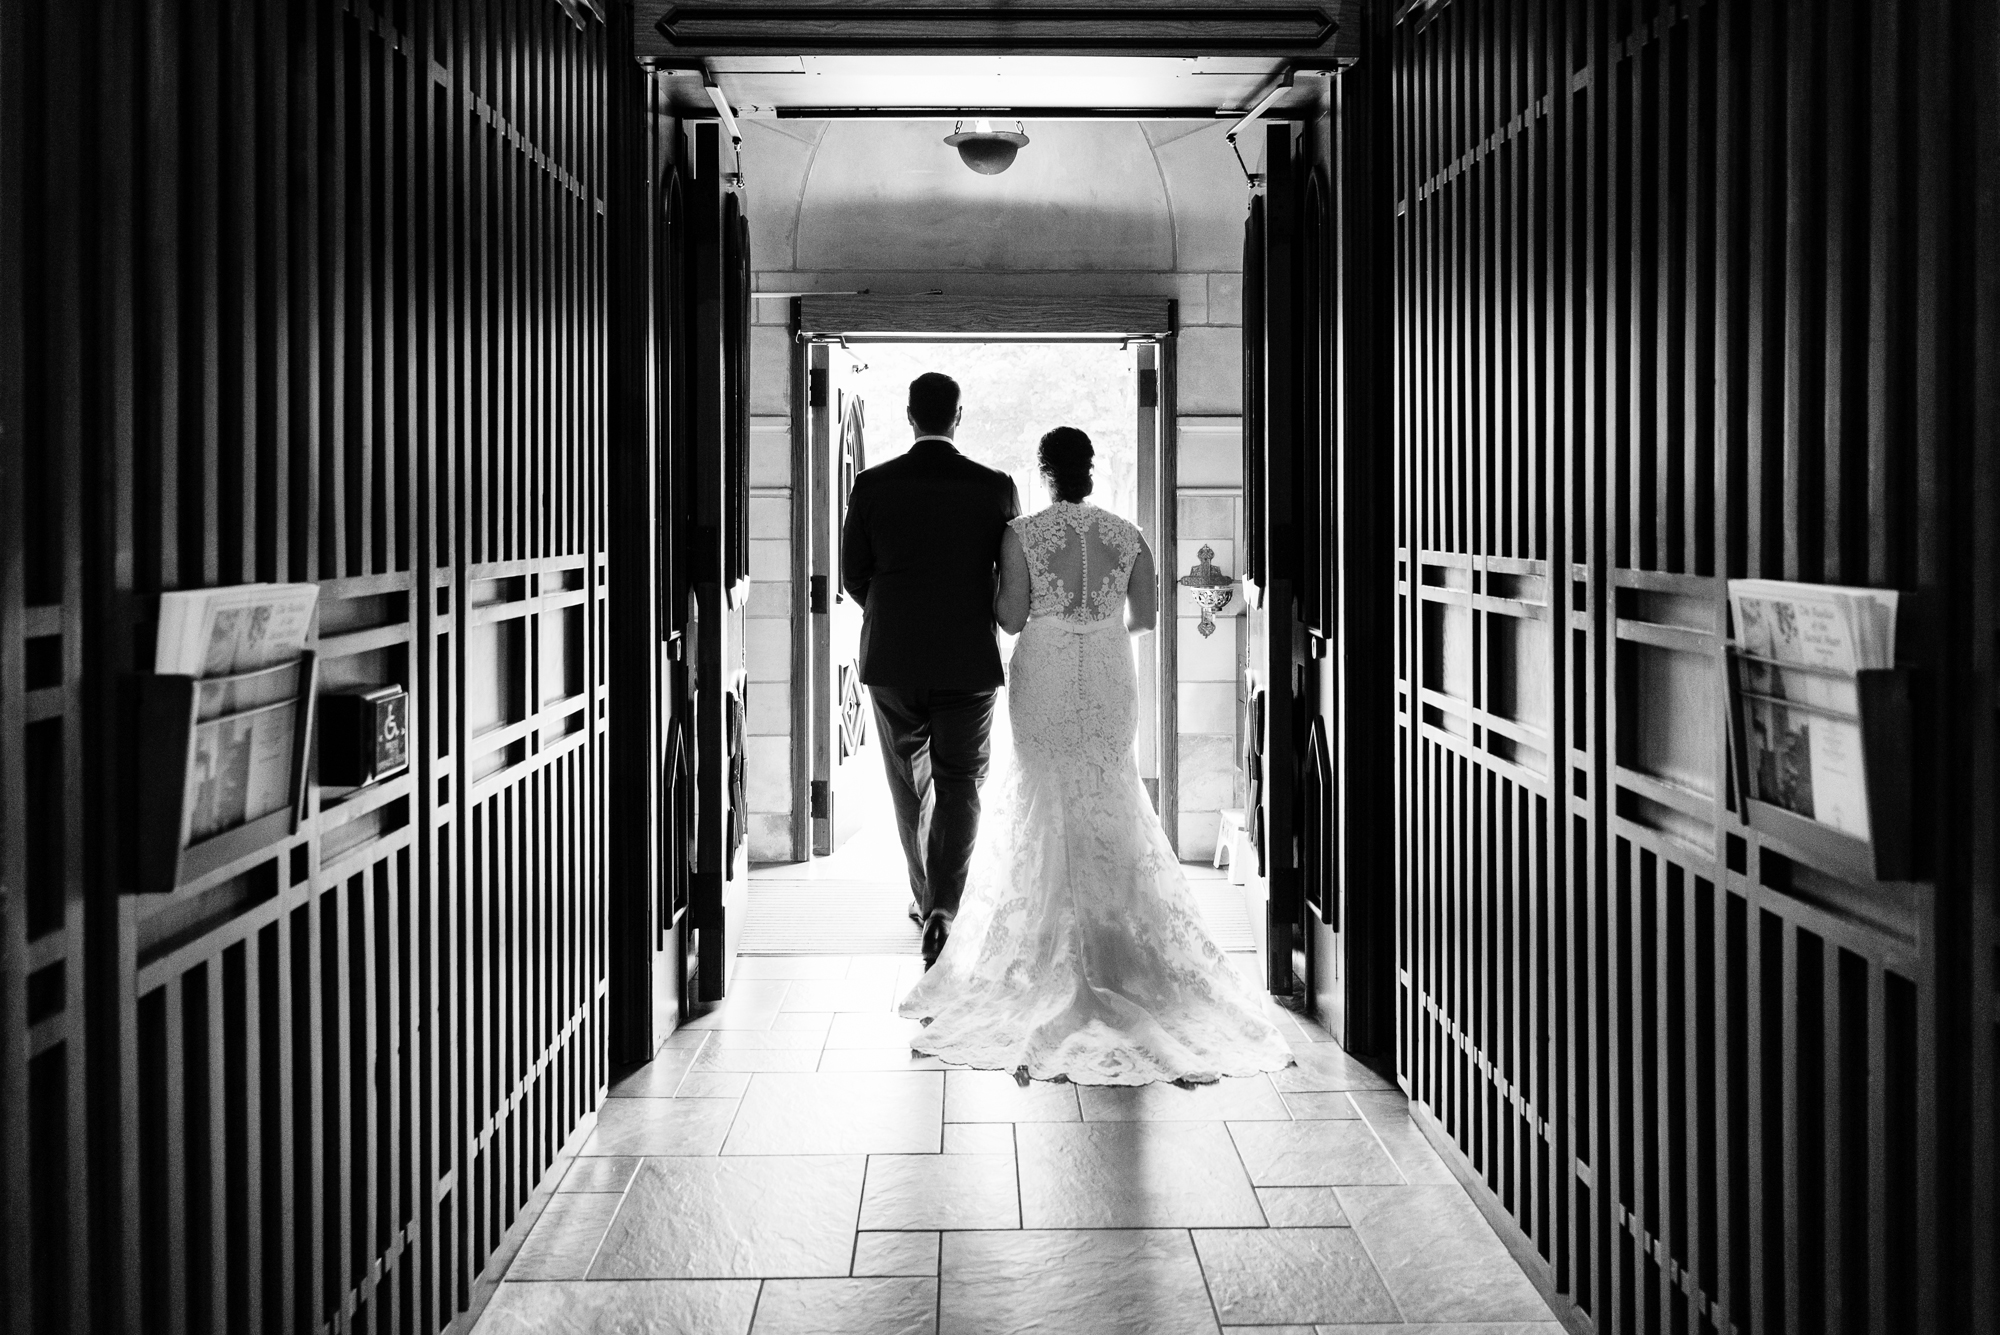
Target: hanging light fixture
{"points": [[984, 149]]}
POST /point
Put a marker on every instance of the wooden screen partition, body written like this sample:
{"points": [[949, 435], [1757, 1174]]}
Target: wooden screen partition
{"points": [[317, 290], [1684, 292]]}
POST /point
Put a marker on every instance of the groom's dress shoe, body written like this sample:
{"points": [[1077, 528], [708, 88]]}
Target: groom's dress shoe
{"points": [[916, 914], [936, 932]]}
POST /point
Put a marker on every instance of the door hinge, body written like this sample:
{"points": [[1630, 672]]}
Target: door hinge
{"points": [[821, 801], [816, 387], [816, 595], [1149, 389]]}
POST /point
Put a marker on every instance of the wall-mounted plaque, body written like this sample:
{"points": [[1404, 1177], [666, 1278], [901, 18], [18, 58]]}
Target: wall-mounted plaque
{"points": [[364, 736]]}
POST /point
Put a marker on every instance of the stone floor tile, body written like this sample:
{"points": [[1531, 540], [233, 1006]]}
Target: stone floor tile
{"points": [[1301, 1207], [1312, 1154], [839, 994], [887, 1112], [884, 967], [896, 1254], [1296, 1330], [758, 1059], [565, 1236], [1246, 1099], [992, 1096], [1389, 1114], [788, 967], [713, 1085], [685, 1038], [1321, 1107], [1324, 1067], [854, 1029], [1261, 1276], [940, 1191], [1133, 1175], [1312, 1030], [900, 1306], [660, 1126], [599, 1174], [751, 1004], [977, 1137], [657, 1078], [877, 1059], [1094, 1282], [802, 1021], [765, 1040], [726, 1016], [1439, 1256], [1451, 1328], [1286, 1020], [687, 1307], [726, 1218]]}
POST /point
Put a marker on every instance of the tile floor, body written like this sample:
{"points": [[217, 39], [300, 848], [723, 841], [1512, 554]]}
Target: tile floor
{"points": [[786, 1165]]}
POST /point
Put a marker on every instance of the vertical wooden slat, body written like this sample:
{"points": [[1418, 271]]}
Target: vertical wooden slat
{"points": [[1757, 256]]}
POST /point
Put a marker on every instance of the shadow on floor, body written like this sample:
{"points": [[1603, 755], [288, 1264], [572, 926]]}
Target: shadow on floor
{"points": [[786, 1164]]}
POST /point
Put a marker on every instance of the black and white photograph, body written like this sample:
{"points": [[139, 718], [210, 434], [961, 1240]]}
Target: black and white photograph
{"points": [[1000, 667]]}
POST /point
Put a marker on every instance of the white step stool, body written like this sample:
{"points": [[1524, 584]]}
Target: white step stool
{"points": [[1232, 845]]}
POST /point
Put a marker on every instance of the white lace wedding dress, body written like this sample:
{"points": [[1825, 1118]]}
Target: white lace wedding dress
{"points": [[1079, 949]]}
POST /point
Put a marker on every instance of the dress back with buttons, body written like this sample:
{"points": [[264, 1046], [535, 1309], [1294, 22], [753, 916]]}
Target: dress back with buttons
{"points": [[1079, 560]]}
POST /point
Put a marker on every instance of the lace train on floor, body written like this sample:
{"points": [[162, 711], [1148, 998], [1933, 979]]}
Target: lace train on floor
{"points": [[1079, 949]]}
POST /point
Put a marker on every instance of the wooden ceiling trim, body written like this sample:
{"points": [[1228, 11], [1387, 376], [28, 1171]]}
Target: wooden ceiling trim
{"points": [[868, 316], [671, 30]]}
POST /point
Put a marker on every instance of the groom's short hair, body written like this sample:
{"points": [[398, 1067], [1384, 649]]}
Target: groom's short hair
{"points": [[933, 401]]}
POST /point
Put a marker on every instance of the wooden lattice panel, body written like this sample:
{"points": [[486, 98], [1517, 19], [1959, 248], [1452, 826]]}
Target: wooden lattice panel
{"points": [[1674, 300], [316, 291]]}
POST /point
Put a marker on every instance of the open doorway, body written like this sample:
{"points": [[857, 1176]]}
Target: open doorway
{"points": [[1012, 393]]}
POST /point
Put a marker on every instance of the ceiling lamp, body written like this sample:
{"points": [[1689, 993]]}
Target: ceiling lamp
{"points": [[984, 149]]}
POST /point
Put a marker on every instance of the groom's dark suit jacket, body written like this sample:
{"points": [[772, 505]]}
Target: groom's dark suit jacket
{"points": [[918, 553]]}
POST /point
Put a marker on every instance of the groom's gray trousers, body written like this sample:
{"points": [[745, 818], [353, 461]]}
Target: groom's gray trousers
{"points": [[934, 747]]}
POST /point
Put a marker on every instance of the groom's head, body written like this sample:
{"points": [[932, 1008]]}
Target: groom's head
{"points": [[934, 404]]}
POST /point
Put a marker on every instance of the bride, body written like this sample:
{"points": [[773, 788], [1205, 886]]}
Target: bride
{"points": [[1079, 950]]}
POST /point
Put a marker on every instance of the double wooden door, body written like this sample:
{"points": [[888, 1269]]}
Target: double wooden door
{"points": [[679, 859], [1317, 689], [838, 707]]}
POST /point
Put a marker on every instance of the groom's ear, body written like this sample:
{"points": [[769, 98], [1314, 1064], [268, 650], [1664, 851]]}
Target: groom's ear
{"points": [[957, 415]]}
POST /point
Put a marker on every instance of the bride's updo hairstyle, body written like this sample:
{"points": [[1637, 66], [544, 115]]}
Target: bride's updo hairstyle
{"points": [[1065, 458]]}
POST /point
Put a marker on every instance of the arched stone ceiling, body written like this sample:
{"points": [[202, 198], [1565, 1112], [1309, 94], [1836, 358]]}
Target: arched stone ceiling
{"points": [[1091, 196]]}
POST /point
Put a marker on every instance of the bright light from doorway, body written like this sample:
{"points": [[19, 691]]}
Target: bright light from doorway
{"points": [[1011, 393]]}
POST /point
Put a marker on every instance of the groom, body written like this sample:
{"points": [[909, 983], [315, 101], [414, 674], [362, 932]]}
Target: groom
{"points": [[918, 553]]}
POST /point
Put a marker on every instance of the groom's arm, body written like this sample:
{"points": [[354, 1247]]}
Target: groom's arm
{"points": [[857, 553]]}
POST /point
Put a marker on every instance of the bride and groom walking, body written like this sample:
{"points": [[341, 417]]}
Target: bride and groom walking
{"points": [[1060, 939]]}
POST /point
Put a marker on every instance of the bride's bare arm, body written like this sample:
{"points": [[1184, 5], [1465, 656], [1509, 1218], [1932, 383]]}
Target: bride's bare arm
{"points": [[1142, 593], [1010, 601]]}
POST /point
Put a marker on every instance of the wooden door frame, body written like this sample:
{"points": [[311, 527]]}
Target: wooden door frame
{"points": [[634, 637]]}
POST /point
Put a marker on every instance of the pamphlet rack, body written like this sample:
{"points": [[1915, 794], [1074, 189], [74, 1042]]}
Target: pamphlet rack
{"points": [[1882, 697], [169, 709]]}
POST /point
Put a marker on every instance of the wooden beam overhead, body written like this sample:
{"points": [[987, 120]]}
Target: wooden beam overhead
{"points": [[1154, 28], [891, 317]]}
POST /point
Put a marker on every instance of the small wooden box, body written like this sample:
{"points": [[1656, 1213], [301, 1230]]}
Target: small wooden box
{"points": [[364, 736]]}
